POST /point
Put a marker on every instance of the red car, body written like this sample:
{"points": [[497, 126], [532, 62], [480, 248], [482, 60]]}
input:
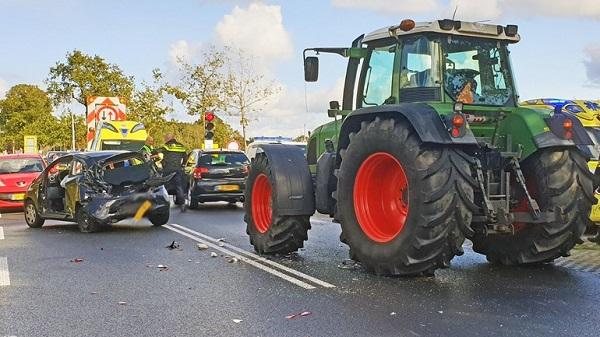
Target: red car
{"points": [[17, 171]]}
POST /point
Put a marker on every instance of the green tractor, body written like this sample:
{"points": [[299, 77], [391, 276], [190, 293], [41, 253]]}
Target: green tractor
{"points": [[428, 147]]}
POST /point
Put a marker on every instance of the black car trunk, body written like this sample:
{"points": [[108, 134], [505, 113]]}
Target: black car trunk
{"points": [[222, 165]]}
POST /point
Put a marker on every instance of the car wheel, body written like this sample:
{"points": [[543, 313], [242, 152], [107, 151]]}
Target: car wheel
{"points": [[159, 219], [32, 217], [85, 222]]}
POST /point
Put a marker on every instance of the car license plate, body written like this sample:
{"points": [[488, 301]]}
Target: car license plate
{"points": [[17, 196], [227, 188], [142, 210]]}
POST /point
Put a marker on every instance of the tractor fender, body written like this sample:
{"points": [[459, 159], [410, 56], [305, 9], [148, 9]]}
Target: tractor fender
{"points": [[428, 124], [292, 185], [532, 131]]}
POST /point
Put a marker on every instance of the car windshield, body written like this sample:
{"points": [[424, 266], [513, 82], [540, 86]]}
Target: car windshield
{"points": [[477, 71], [126, 145], [222, 159], [20, 165]]}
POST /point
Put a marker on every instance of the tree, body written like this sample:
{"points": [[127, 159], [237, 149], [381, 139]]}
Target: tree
{"points": [[147, 105], [82, 76], [246, 91], [26, 110], [201, 85]]}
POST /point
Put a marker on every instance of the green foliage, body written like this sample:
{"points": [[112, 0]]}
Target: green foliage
{"points": [[83, 75], [25, 110], [200, 86], [147, 105]]}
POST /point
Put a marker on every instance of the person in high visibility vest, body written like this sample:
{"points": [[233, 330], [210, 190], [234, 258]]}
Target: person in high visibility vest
{"points": [[148, 148], [175, 156]]}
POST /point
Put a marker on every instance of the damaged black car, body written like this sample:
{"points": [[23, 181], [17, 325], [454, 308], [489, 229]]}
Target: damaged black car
{"points": [[96, 189]]}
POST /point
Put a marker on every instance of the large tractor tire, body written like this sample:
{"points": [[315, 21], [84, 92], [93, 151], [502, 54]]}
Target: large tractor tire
{"points": [[401, 202], [269, 232], [555, 178]]}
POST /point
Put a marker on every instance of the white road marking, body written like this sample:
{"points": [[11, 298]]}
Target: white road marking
{"points": [[260, 258], [245, 259], [1, 233], [4, 276]]}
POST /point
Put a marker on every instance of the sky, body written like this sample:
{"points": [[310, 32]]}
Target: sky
{"points": [[558, 56]]}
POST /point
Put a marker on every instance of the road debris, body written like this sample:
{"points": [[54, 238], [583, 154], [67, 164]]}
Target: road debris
{"points": [[173, 245], [301, 314], [122, 303], [231, 259], [77, 260], [349, 264], [393, 313], [202, 246], [221, 244], [162, 267], [237, 321], [213, 254], [221, 240]]}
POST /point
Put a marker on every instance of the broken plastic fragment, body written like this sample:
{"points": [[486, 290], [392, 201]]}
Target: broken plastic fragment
{"points": [[173, 245], [305, 313], [213, 254], [221, 244], [162, 267], [392, 313], [237, 321], [202, 246], [291, 316], [221, 240], [77, 260], [122, 303]]}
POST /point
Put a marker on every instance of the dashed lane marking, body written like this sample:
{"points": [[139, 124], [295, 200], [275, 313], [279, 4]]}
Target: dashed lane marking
{"points": [[249, 261], [260, 258], [4, 275], [1, 233]]}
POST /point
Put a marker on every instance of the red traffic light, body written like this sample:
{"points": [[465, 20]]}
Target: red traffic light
{"points": [[209, 116]]}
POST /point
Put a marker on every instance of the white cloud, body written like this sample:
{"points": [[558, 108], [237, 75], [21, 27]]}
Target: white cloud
{"points": [[183, 50], [257, 29], [392, 7], [480, 9], [556, 8], [3, 88], [474, 10], [592, 64], [287, 114]]}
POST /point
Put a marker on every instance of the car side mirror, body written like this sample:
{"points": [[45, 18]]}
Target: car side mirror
{"points": [[311, 69]]}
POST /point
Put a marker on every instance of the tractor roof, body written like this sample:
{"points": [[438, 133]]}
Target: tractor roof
{"points": [[447, 27]]}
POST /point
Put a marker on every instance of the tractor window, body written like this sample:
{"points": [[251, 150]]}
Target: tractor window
{"points": [[378, 81], [417, 64], [477, 71]]}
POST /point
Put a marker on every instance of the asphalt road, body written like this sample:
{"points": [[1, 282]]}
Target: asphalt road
{"points": [[45, 294]]}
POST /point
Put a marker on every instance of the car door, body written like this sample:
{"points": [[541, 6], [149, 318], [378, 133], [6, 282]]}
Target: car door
{"points": [[71, 184], [51, 194]]}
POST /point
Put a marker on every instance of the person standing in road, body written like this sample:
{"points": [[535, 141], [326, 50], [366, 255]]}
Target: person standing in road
{"points": [[174, 158], [148, 148]]}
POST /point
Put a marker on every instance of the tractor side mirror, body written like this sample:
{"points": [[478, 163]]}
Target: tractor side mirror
{"points": [[311, 69], [334, 107]]}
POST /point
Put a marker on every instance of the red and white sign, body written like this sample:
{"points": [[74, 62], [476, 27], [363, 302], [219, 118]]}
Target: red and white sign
{"points": [[103, 109]]}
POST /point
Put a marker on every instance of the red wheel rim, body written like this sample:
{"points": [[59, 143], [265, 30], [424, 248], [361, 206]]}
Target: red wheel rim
{"points": [[262, 212], [381, 197]]}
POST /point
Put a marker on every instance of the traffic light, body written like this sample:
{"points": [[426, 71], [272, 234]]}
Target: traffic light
{"points": [[209, 126]]}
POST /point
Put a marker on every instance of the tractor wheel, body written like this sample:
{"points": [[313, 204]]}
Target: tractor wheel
{"points": [[401, 202], [270, 233], [555, 178]]}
